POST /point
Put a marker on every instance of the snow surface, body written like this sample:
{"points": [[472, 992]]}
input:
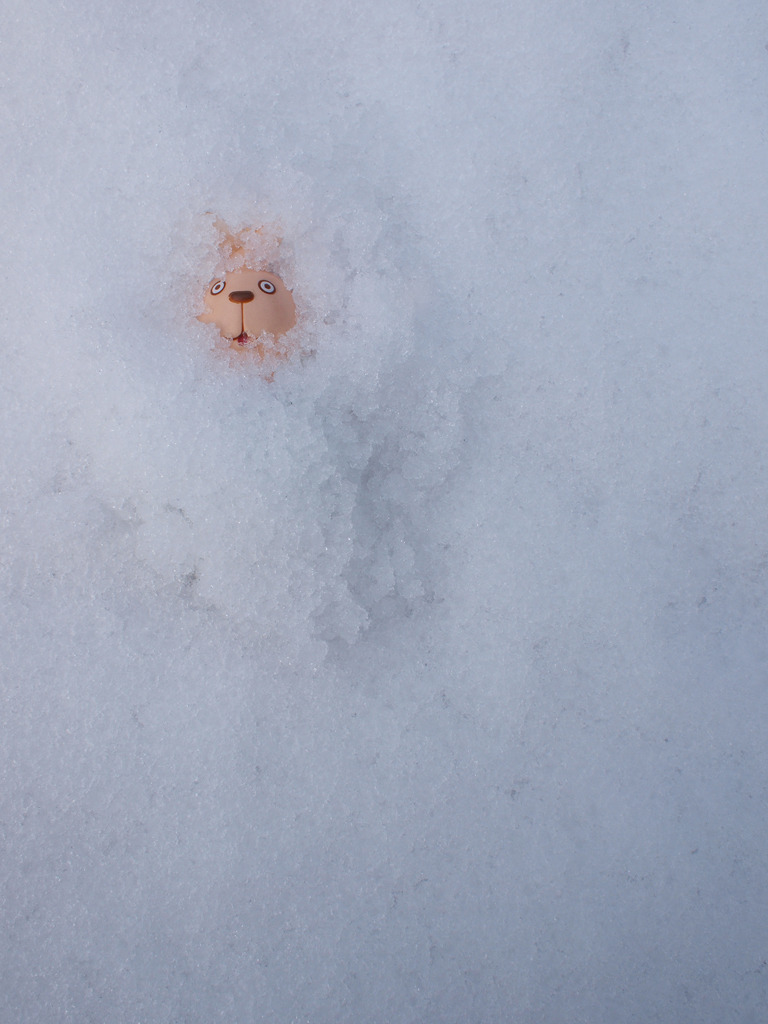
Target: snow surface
{"points": [[426, 682]]}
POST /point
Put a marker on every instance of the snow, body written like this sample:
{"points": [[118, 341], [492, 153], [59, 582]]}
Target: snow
{"points": [[427, 680]]}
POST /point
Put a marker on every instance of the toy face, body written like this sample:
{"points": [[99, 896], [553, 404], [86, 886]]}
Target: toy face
{"points": [[248, 303]]}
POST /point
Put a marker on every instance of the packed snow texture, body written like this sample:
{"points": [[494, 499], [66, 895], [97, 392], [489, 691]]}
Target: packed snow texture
{"points": [[427, 680]]}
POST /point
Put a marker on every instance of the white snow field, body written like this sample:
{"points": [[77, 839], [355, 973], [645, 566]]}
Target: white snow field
{"points": [[427, 681]]}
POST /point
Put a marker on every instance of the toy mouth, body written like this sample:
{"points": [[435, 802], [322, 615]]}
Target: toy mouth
{"points": [[241, 298]]}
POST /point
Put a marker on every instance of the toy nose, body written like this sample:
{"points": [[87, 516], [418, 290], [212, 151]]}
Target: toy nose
{"points": [[241, 296]]}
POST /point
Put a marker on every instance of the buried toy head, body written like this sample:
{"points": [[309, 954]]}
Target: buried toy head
{"points": [[245, 304]]}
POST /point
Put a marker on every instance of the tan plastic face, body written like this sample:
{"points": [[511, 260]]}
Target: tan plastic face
{"points": [[248, 303]]}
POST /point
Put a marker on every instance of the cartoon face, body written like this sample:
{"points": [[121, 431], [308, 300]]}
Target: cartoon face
{"points": [[248, 303]]}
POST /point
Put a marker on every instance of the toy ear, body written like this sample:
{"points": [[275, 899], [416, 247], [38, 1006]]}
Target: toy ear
{"points": [[232, 244], [244, 246]]}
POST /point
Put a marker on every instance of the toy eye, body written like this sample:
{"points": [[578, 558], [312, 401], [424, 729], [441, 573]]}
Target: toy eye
{"points": [[218, 287], [267, 287]]}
